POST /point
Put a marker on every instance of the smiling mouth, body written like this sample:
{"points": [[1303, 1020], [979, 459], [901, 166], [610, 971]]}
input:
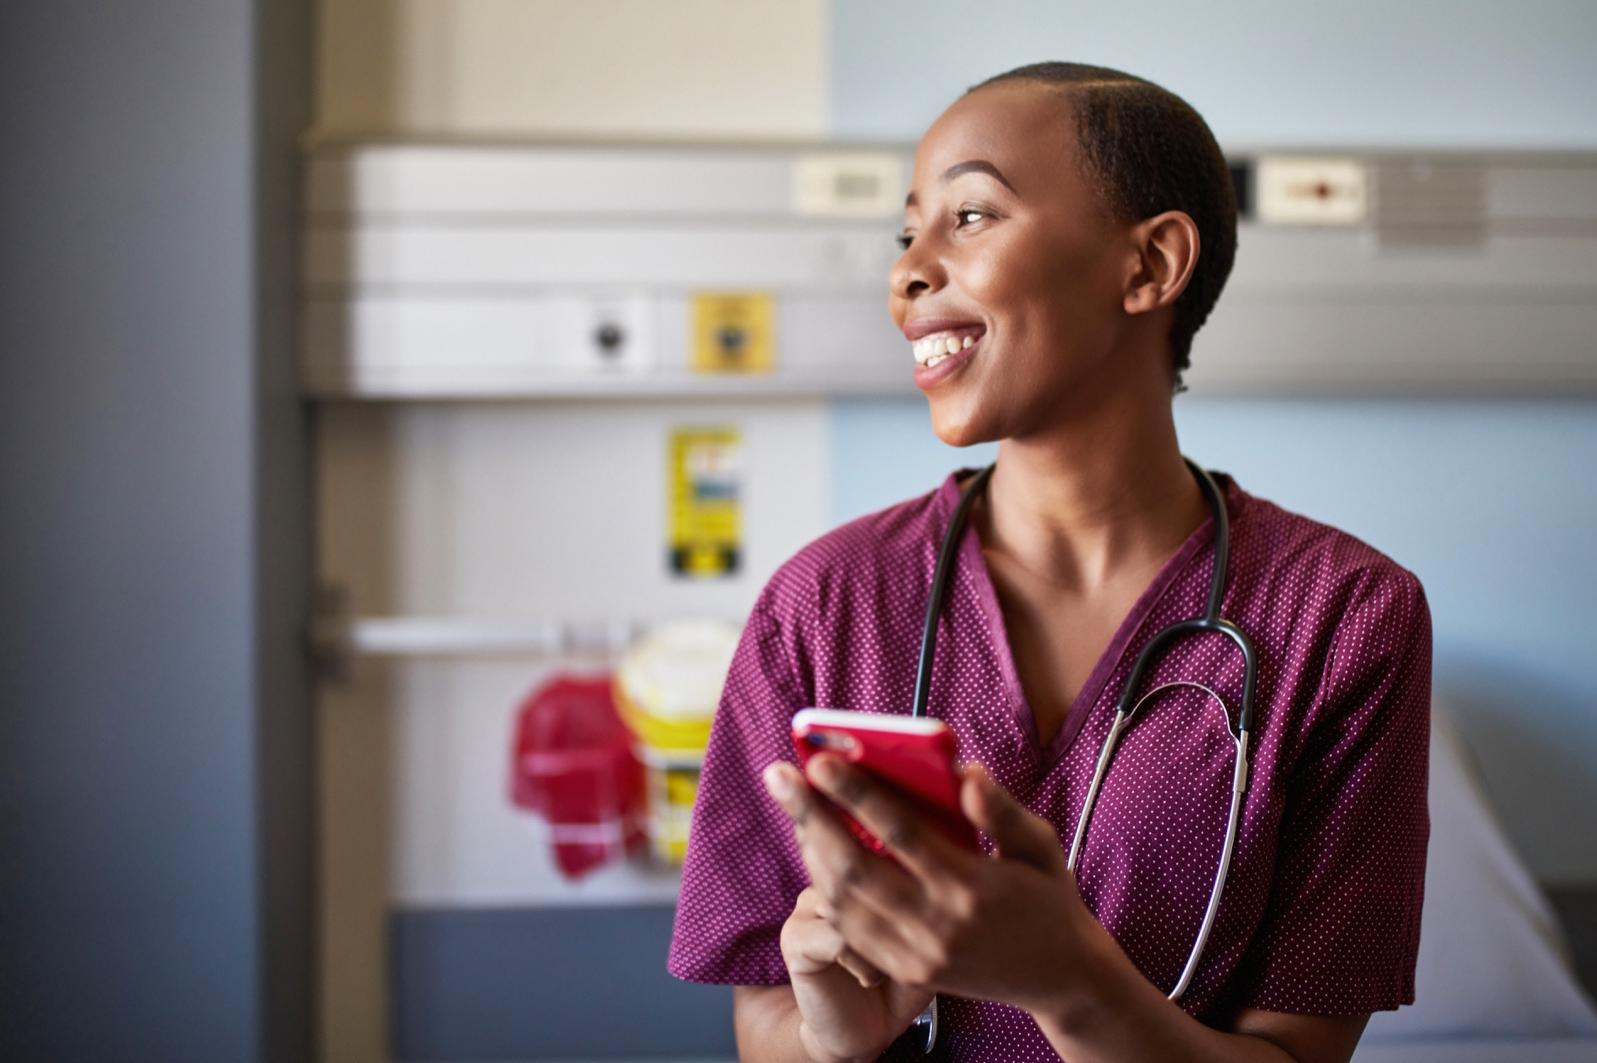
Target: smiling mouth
{"points": [[930, 350]]}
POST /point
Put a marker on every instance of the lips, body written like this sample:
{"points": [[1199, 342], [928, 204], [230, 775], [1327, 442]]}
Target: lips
{"points": [[941, 345], [934, 339], [922, 327]]}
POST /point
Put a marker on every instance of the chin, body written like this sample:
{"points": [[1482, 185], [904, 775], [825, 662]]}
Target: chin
{"points": [[960, 431]]}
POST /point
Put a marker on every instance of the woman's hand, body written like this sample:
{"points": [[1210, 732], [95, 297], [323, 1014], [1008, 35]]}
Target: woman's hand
{"points": [[1011, 929], [942, 919], [849, 1010]]}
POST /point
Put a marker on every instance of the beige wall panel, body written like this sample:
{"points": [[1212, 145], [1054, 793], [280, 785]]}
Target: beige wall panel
{"points": [[495, 510], [689, 68]]}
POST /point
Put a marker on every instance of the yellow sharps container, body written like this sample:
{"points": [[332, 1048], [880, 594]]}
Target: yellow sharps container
{"points": [[667, 687]]}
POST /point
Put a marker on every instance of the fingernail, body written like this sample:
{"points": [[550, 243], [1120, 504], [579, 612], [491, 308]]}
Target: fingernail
{"points": [[826, 769], [777, 781]]}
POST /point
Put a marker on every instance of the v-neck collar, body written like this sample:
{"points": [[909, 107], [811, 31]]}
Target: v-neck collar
{"points": [[973, 563]]}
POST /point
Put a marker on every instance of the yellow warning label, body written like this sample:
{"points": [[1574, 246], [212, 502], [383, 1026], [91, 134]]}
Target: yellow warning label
{"points": [[706, 484], [733, 332]]}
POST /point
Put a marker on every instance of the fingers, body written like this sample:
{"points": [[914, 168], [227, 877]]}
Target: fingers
{"points": [[786, 785], [811, 941], [811, 944], [1019, 834], [876, 943], [840, 867], [888, 918], [904, 830], [864, 972]]}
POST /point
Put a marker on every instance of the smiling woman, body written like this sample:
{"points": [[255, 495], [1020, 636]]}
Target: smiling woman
{"points": [[1068, 230]]}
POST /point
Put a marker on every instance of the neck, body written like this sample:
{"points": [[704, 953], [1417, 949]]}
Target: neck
{"points": [[1101, 498]]}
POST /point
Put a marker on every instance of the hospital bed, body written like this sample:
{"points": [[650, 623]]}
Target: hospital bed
{"points": [[1494, 982]]}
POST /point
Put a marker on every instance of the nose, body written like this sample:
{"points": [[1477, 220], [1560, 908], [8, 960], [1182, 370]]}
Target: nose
{"points": [[917, 270]]}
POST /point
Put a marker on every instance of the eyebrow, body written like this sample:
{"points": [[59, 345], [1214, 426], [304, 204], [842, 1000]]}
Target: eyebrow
{"points": [[968, 166]]}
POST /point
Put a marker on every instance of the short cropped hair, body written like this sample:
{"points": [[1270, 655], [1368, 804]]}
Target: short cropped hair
{"points": [[1146, 151]]}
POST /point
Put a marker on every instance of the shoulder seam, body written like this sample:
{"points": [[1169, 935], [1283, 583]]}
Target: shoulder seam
{"points": [[1359, 599]]}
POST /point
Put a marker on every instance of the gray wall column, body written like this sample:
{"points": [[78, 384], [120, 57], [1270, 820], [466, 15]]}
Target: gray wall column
{"points": [[154, 717]]}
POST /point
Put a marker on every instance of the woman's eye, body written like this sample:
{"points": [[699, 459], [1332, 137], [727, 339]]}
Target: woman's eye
{"points": [[904, 239]]}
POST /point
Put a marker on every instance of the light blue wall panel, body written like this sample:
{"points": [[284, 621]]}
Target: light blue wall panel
{"points": [[1467, 72], [885, 451]]}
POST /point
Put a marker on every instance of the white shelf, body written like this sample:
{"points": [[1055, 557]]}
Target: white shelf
{"points": [[402, 383], [444, 636]]}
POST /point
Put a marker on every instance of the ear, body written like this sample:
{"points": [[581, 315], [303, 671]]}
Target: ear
{"points": [[1166, 254]]}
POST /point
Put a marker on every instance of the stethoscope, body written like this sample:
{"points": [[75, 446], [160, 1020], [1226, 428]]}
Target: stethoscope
{"points": [[1126, 709]]}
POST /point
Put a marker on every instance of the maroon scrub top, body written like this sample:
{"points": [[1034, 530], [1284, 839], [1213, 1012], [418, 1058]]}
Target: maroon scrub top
{"points": [[1321, 911]]}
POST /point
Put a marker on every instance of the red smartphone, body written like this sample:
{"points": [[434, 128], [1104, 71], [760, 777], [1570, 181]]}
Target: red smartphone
{"points": [[913, 754]]}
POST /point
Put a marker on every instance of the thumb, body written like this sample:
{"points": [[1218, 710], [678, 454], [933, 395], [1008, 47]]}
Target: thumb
{"points": [[1019, 834]]}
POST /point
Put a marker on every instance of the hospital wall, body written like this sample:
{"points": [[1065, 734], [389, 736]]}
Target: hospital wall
{"points": [[1500, 553], [1488, 501]]}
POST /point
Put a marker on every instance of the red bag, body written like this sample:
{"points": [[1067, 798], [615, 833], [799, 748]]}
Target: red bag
{"points": [[572, 764]]}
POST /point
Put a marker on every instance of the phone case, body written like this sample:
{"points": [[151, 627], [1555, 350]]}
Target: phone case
{"points": [[915, 755]]}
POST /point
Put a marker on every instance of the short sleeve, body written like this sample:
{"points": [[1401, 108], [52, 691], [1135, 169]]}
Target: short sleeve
{"points": [[1341, 933], [742, 872]]}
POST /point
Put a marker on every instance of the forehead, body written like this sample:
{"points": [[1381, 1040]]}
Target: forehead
{"points": [[1025, 129]]}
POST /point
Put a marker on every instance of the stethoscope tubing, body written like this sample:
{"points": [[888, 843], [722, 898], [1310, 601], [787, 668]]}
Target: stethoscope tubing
{"points": [[1125, 709], [1239, 785]]}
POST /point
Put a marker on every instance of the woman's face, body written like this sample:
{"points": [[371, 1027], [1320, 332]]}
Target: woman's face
{"points": [[1028, 264]]}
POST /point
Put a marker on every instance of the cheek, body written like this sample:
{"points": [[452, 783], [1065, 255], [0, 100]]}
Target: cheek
{"points": [[1004, 277], [1034, 287]]}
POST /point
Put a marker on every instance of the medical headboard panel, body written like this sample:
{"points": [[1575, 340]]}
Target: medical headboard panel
{"points": [[569, 270]]}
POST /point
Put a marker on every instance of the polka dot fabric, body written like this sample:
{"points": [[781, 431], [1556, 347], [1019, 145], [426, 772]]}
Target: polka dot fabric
{"points": [[1320, 912]]}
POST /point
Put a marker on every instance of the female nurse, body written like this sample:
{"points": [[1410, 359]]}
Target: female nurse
{"points": [[1067, 231]]}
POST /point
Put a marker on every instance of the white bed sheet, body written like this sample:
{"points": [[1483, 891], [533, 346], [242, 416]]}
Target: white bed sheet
{"points": [[1531, 1050], [1493, 979]]}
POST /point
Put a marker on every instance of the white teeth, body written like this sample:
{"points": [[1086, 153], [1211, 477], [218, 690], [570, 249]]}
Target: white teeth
{"points": [[934, 359], [928, 348]]}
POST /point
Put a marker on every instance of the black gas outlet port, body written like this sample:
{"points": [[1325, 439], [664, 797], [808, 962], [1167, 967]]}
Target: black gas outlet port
{"points": [[610, 339], [733, 342]]}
